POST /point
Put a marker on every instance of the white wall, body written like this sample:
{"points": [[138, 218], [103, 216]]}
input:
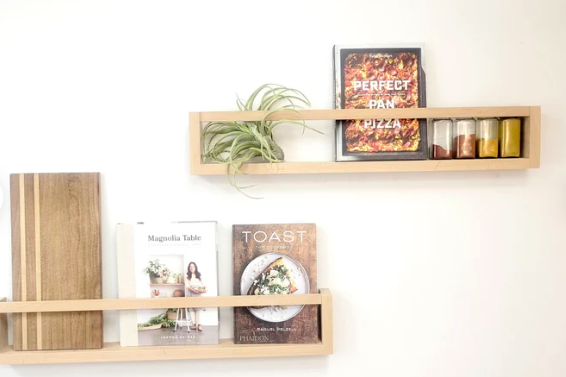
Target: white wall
{"points": [[435, 275]]}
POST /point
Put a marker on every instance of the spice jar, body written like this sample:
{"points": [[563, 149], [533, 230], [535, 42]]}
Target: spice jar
{"points": [[510, 137], [441, 139], [487, 131], [464, 138]]}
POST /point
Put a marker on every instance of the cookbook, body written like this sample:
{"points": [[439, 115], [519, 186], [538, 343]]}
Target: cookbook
{"points": [[275, 259], [374, 77], [165, 260]]}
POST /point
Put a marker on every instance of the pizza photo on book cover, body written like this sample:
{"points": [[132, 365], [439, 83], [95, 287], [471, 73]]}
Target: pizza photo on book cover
{"points": [[379, 78], [275, 259]]}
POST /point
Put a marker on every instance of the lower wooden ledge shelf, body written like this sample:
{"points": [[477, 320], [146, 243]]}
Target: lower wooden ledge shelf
{"points": [[112, 352]]}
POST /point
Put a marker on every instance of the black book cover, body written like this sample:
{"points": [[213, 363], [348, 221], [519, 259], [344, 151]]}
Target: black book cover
{"points": [[379, 78]]}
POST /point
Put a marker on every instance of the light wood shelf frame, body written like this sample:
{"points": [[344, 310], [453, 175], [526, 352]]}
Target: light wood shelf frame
{"points": [[112, 352], [531, 116]]}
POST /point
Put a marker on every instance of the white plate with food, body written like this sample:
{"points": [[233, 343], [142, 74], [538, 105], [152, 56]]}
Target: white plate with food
{"points": [[274, 274]]}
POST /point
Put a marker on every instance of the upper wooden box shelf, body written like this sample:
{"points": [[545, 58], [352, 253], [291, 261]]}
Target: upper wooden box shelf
{"points": [[530, 141]]}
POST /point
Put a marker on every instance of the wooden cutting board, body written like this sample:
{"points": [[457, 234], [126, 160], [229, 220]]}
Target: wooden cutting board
{"points": [[56, 256]]}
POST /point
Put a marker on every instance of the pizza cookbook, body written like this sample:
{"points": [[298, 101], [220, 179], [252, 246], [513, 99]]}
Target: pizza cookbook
{"points": [[275, 259], [372, 77]]}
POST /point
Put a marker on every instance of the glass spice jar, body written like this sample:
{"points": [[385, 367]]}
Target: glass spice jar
{"points": [[487, 131], [510, 137], [441, 139], [464, 138]]}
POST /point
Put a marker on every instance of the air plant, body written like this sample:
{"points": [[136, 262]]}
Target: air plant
{"points": [[237, 143]]}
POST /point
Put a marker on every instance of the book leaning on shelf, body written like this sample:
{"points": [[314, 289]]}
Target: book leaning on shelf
{"points": [[275, 259], [161, 260]]}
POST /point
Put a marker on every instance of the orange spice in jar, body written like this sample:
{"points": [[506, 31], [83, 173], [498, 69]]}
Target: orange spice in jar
{"points": [[464, 138], [487, 134]]}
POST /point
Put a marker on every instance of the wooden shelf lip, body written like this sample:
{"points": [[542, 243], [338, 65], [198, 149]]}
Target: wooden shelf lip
{"points": [[112, 352], [343, 114], [157, 303], [372, 166]]}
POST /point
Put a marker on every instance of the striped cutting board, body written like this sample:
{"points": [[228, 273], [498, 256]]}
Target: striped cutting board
{"points": [[56, 256]]}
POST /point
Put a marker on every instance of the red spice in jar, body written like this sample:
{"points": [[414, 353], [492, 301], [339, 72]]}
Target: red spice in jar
{"points": [[439, 153], [465, 146]]}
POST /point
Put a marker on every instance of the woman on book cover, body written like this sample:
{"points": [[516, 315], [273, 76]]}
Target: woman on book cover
{"points": [[195, 287]]}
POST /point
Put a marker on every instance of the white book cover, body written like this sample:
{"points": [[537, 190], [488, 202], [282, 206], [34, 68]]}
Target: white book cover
{"points": [[165, 260]]}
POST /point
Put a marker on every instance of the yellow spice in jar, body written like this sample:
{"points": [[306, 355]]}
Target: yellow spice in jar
{"points": [[487, 147], [510, 137]]}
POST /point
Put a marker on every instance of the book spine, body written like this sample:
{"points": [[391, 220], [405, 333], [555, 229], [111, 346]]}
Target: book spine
{"points": [[126, 283]]}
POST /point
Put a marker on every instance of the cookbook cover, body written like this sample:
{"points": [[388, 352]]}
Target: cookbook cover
{"points": [[275, 259], [370, 77], [167, 260]]}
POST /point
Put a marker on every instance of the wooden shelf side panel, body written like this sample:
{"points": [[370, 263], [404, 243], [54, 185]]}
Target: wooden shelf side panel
{"points": [[3, 327], [195, 143], [534, 136], [327, 333]]}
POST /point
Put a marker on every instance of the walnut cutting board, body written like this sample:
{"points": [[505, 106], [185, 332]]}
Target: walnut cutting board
{"points": [[56, 256]]}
